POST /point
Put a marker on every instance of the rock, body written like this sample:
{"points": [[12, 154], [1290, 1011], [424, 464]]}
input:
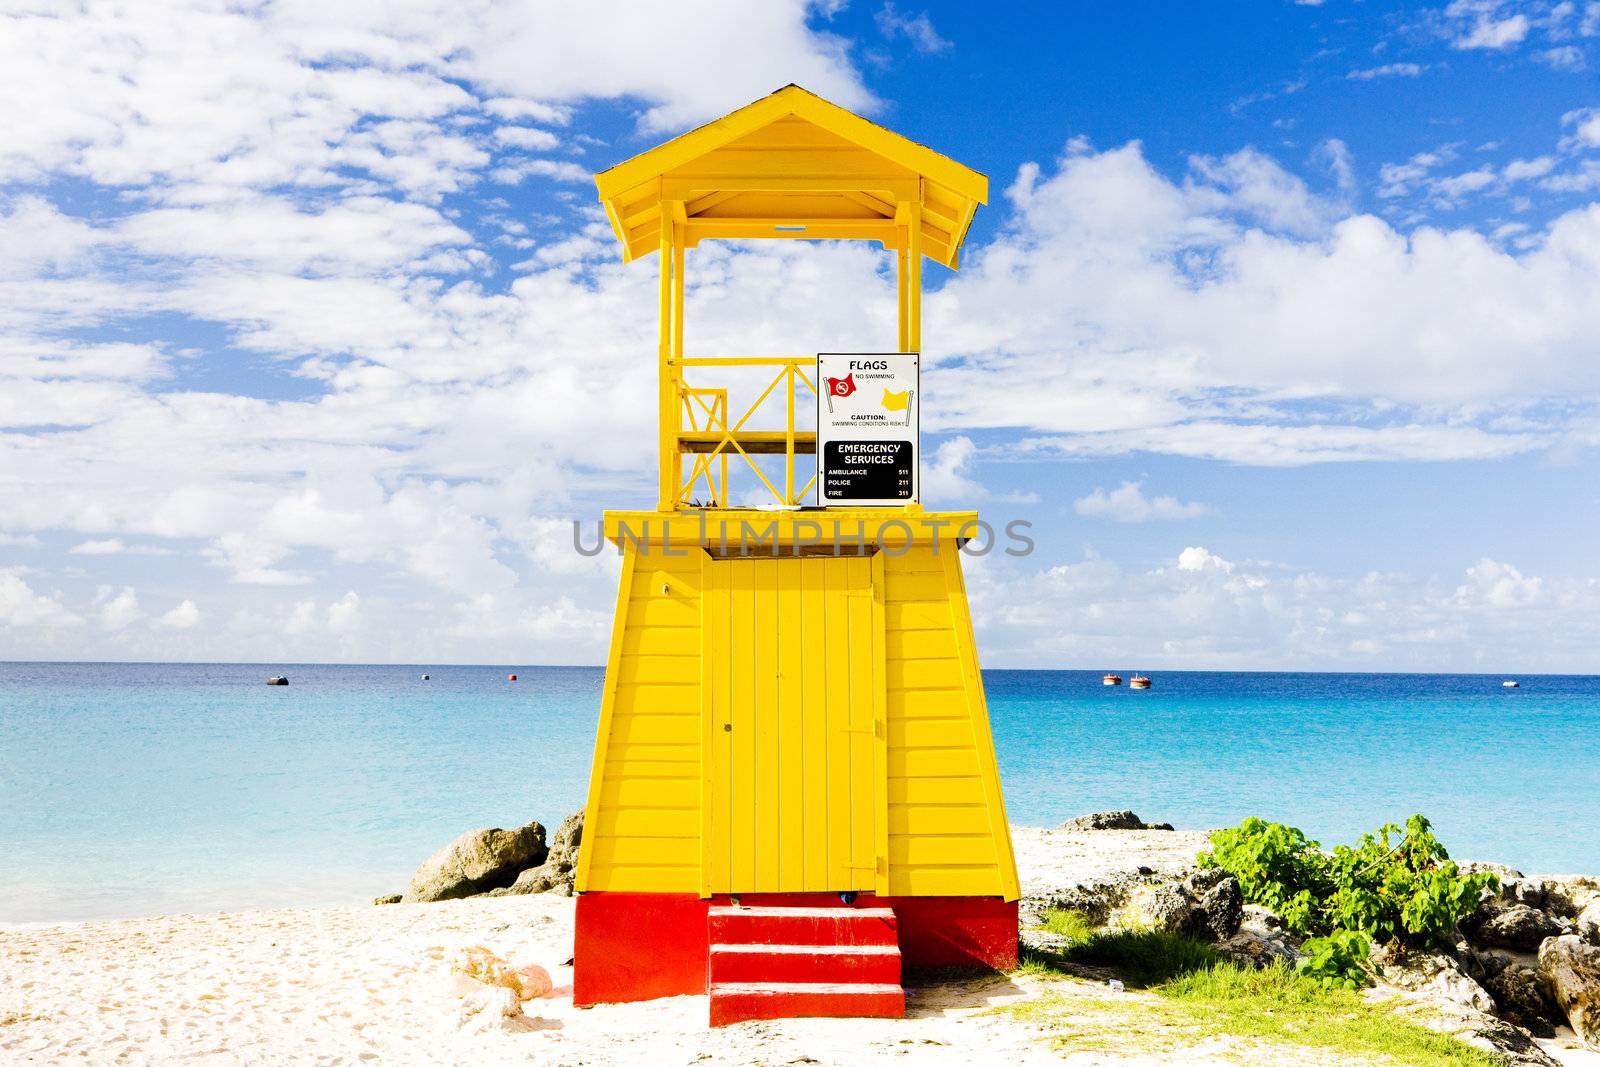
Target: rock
{"points": [[560, 866], [1518, 926], [1257, 947], [1158, 907], [1260, 917], [1572, 969], [1217, 915], [1523, 997], [1434, 975], [1505, 1042], [1500, 869], [477, 862], [1589, 922], [1111, 820], [388, 898]]}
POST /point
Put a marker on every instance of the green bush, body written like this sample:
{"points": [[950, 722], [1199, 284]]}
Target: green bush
{"points": [[1336, 961], [1381, 890]]}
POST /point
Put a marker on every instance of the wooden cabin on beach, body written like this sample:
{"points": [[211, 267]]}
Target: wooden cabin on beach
{"points": [[794, 790]]}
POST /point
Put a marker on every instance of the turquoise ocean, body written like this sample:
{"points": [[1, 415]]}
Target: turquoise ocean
{"points": [[142, 789]]}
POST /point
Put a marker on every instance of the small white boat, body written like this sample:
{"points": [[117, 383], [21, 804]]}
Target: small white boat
{"points": [[1111, 679], [1511, 683], [1138, 681]]}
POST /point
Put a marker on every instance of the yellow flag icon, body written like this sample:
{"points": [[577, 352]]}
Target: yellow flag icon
{"points": [[896, 401]]}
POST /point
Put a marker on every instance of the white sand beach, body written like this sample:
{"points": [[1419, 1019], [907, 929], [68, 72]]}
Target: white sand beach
{"points": [[367, 984]]}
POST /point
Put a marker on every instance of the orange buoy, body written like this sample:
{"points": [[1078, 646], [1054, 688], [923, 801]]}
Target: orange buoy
{"points": [[511, 677]]}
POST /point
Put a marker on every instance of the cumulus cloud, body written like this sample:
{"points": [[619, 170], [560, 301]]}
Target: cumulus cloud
{"points": [[20, 606], [1201, 609], [185, 616], [1127, 503]]}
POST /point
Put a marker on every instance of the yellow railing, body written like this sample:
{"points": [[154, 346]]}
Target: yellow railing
{"points": [[705, 430]]}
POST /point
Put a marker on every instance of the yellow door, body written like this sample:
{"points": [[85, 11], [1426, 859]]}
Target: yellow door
{"points": [[794, 768]]}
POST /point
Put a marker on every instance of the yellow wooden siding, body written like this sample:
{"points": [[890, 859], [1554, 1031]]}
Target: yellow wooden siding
{"points": [[921, 792], [944, 834], [642, 833]]}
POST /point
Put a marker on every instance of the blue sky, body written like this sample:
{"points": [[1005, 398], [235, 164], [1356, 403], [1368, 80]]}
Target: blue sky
{"points": [[1279, 326]]}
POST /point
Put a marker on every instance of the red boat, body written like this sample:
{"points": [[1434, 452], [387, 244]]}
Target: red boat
{"points": [[1111, 679]]}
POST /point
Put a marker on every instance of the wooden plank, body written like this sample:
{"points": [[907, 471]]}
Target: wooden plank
{"points": [[662, 641], [914, 881], [621, 879], [935, 819], [880, 732], [633, 699], [768, 817], [791, 730], [862, 799], [943, 849], [927, 704], [664, 611], [814, 722], [917, 585], [667, 752], [910, 674], [655, 729], [659, 794], [646, 851], [930, 733], [717, 773], [921, 644], [916, 615], [639, 768], [742, 794], [661, 670], [932, 762], [647, 822], [836, 658], [957, 789]]}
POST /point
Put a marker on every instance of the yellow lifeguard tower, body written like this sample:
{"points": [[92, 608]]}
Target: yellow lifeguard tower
{"points": [[794, 787]]}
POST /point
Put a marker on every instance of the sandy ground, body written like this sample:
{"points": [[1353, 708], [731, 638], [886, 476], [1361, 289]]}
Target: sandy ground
{"points": [[371, 985]]}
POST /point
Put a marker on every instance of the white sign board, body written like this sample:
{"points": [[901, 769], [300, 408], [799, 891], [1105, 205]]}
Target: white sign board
{"points": [[867, 429]]}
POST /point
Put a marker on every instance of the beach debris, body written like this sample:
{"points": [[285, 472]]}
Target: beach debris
{"points": [[1112, 820], [481, 965], [278, 679], [476, 862], [1572, 968]]}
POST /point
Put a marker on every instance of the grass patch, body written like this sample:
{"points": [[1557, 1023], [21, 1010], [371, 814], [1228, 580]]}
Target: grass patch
{"points": [[1199, 996]]}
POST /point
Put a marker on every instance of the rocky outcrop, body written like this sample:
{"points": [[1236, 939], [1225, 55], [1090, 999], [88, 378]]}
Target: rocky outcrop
{"points": [[1435, 975], [560, 866], [1517, 926], [1218, 905], [1522, 996], [1112, 820], [1571, 966], [476, 862]]}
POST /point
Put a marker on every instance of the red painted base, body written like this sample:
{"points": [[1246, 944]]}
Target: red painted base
{"points": [[639, 946]]}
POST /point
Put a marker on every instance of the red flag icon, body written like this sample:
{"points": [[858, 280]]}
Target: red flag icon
{"points": [[841, 386]]}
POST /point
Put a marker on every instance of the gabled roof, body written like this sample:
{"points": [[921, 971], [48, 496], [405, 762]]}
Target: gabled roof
{"points": [[793, 165]]}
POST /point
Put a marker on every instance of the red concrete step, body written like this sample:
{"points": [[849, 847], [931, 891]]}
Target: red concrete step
{"points": [[737, 1002], [848, 964], [803, 926]]}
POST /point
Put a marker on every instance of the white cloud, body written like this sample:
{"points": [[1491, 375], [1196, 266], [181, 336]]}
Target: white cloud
{"points": [[918, 29], [1127, 503], [1563, 57], [110, 546], [1387, 70], [20, 606], [183, 617], [1216, 612], [1485, 24], [119, 609], [1585, 123]]}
